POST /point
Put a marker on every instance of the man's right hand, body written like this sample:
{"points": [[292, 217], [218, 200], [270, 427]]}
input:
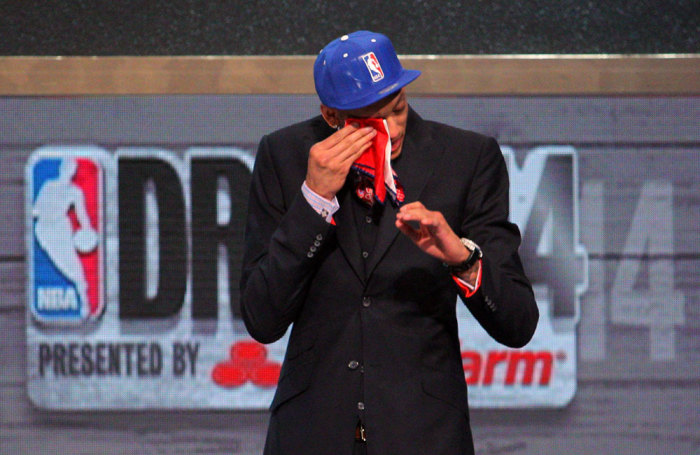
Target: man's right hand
{"points": [[330, 159]]}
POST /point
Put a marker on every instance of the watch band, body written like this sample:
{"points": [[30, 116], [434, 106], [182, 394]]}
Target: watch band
{"points": [[474, 255]]}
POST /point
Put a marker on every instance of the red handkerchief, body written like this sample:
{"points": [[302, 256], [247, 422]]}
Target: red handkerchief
{"points": [[375, 177]]}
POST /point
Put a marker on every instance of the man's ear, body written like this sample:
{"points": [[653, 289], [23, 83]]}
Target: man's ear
{"points": [[331, 116]]}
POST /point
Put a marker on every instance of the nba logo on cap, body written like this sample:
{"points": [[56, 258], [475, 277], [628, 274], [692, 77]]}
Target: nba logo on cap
{"points": [[66, 232], [373, 66]]}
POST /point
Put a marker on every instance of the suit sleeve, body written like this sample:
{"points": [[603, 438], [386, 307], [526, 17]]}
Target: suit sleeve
{"points": [[284, 245], [504, 304]]}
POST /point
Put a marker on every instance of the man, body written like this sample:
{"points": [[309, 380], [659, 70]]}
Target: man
{"points": [[373, 363]]}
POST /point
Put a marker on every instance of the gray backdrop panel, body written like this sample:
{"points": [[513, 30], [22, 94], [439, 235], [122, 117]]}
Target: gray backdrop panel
{"points": [[638, 376]]}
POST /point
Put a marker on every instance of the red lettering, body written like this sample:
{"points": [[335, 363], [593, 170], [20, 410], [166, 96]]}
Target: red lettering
{"points": [[528, 360], [472, 368], [493, 359], [520, 367]]}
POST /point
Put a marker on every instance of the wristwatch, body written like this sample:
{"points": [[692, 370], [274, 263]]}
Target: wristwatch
{"points": [[474, 255]]}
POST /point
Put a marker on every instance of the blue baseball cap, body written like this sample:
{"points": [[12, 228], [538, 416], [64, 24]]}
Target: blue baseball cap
{"points": [[358, 69]]}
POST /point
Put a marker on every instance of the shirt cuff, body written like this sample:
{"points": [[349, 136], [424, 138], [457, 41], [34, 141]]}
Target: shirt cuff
{"points": [[467, 288], [320, 204]]}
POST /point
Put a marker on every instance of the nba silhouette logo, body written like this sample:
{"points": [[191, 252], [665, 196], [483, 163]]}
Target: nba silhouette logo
{"points": [[373, 66], [66, 248]]}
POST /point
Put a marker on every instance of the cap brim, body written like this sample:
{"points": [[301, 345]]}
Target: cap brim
{"points": [[406, 77]]}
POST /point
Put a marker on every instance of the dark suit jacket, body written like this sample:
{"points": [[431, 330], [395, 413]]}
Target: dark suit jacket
{"points": [[377, 341]]}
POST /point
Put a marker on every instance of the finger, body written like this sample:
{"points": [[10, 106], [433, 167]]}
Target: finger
{"points": [[430, 220], [352, 157], [427, 222], [352, 150], [417, 211], [412, 221], [412, 206], [336, 154], [346, 163], [339, 135], [407, 230], [353, 130], [415, 214], [359, 135]]}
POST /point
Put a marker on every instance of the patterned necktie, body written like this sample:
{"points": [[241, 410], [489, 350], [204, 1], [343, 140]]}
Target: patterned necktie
{"points": [[373, 177]]}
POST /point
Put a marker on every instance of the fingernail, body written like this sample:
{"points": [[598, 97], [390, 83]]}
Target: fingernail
{"points": [[355, 124]]}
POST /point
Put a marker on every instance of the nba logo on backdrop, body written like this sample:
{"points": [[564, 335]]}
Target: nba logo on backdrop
{"points": [[65, 237], [373, 66]]}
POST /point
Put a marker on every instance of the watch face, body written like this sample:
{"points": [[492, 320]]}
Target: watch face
{"points": [[469, 244], [473, 247]]}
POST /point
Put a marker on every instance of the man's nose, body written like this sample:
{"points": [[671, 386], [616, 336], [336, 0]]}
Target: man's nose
{"points": [[393, 127]]}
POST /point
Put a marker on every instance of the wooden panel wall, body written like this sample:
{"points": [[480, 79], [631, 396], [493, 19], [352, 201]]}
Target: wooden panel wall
{"points": [[454, 75]]}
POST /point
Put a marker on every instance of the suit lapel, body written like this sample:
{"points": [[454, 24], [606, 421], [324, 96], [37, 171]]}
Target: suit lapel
{"points": [[346, 233], [418, 160]]}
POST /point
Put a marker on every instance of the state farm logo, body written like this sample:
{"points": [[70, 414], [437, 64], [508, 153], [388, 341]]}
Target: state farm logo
{"points": [[247, 363]]}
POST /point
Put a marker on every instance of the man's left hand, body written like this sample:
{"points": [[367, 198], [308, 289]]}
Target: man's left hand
{"points": [[432, 235]]}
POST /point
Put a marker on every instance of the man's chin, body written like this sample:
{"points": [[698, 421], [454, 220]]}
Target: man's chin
{"points": [[395, 153]]}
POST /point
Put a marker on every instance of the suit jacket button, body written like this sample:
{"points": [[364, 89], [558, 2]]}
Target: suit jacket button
{"points": [[366, 302], [361, 406], [353, 364]]}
